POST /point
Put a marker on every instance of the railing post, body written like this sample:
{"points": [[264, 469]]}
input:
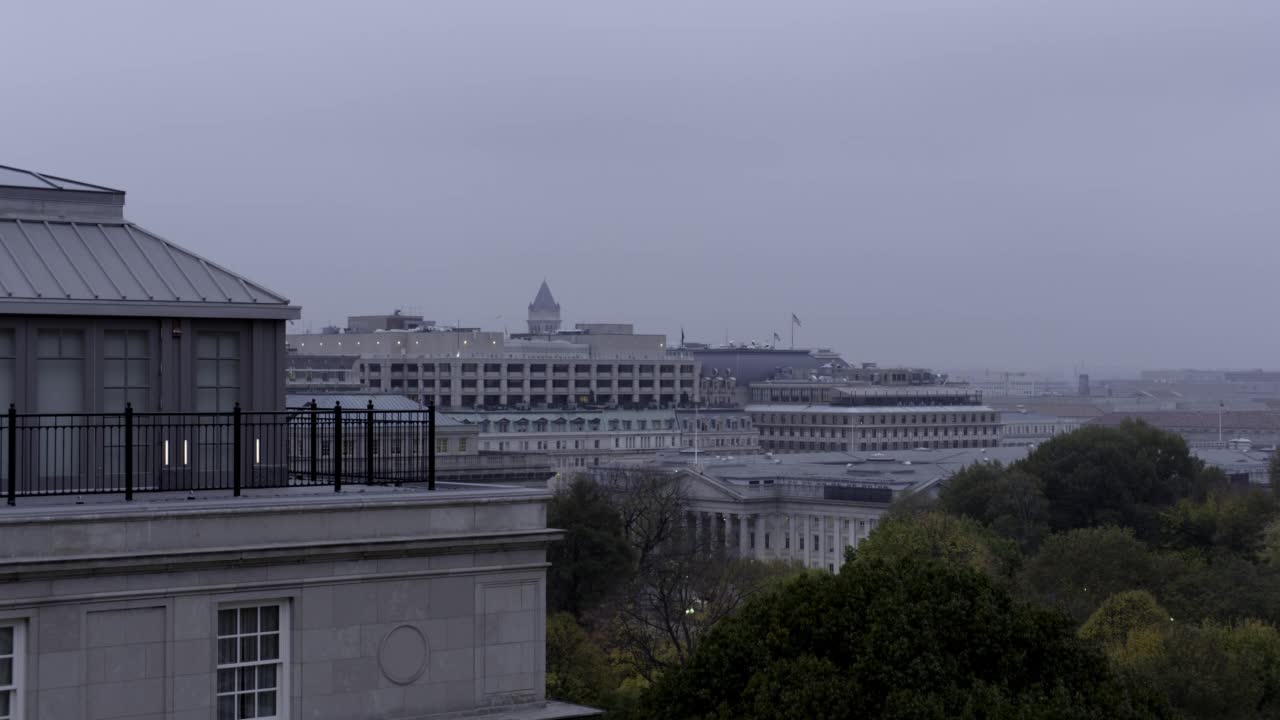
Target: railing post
{"points": [[237, 461], [431, 446], [12, 432], [368, 444], [128, 451], [315, 442], [337, 447]]}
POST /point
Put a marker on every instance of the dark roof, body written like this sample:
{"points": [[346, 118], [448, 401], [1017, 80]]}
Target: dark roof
{"points": [[543, 300], [115, 268], [17, 177]]}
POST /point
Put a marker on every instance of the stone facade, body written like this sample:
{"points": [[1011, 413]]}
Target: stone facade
{"points": [[376, 604]]}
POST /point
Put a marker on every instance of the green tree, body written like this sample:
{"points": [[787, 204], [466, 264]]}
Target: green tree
{"points": [[1019, 510], [940, 536], [1273, 472], [1208, 671], [1228, 519], [968, 493], [578, 671], [916, 638], [1077, 570], [594, 557], [1121, 476], [1121, 614]]}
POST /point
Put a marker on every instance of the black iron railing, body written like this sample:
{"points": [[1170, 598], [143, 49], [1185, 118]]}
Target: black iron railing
{"points": [[131, 452]]}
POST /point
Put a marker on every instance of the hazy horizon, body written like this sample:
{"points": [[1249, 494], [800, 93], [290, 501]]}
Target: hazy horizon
{"points": [[999, 185]]}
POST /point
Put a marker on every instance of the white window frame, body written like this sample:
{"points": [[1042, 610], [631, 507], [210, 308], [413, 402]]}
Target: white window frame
{"points": [[16, 690], [282, 662]]}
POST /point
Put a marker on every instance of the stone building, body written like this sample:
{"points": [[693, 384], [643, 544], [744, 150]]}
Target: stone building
{"points": [[121, 598], [474, 369], [717, 431], [797, 416]]}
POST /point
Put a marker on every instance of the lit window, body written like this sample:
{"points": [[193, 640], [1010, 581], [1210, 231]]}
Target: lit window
{"points": [[251, 668]]}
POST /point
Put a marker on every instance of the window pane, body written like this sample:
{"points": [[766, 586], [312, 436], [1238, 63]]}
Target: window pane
{"points": [[226, 651], [113, 344], [270, 647], [206, 373], [113, 373], [226, 622], [249, 620], [227, 707], [6, 671], [247, 678], [248, 648], [137, 375], [226, 680], [137, 344], [206, 345], [247, 705], [47, 343], [266, 676], [228, 372], [228, 345], [6, 641], [5, 710], [270, 618], [266, 704], [72, 344]]}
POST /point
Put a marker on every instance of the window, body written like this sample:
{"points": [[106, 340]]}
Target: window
{"points": [[60, 371], [251, 667], [217, 371], [12, 656], [462, 445], [442, 446]]}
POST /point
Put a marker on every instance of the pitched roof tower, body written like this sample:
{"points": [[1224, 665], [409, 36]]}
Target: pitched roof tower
{"points": [[544, 312]]}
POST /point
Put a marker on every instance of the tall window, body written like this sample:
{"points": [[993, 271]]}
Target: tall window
{"points": [[8, 369], [12, 656], [60, 371], [126, 370], [217, 371], [252, 644]]}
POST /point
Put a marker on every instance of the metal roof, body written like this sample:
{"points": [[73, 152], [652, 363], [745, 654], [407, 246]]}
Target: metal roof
{"points": [[17, 177], [96, 268]]}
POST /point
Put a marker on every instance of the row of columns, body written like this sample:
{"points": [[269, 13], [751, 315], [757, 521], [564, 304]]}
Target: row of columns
{"points": [[774, 535]]}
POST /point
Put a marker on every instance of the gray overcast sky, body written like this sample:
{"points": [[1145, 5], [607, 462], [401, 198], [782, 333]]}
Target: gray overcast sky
{"points": [[990, 183]]}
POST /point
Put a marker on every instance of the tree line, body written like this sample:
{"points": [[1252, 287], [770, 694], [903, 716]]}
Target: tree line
{"points": [[1108, 574]]}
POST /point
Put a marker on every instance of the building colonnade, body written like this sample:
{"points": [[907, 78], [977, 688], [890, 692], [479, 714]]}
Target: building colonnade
{"points": [[815, 538]]}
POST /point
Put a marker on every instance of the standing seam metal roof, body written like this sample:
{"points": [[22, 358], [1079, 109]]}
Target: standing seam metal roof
{"points": [[84, 261]]}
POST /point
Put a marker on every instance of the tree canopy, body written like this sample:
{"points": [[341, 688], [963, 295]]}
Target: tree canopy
{"points": [[918, 638], [594, 557]]}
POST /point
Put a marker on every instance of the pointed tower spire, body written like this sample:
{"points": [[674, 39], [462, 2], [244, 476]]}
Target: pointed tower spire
{"points": [[544, 312]]}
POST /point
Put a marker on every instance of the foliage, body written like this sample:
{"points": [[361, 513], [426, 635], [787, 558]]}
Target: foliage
{"points": [[664, 613], [968, 492], [1121, 476], [1273, 472], [1120, 614], [940, 536], [578, 671], [1228, 519], [593, 558], [650, 504], [1208, 671], [915, 637], [1075, 571]]}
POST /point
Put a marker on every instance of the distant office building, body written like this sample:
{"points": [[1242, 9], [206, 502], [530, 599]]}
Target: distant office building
{"points": [[382, 323], [307, 373], [795, 416], [720, 389], [544, 312], [1016, 384], [751, 363], [576, 439], [465, 369], [1242, 464], [719, 431], [1024, 428], [1208, 429]]}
